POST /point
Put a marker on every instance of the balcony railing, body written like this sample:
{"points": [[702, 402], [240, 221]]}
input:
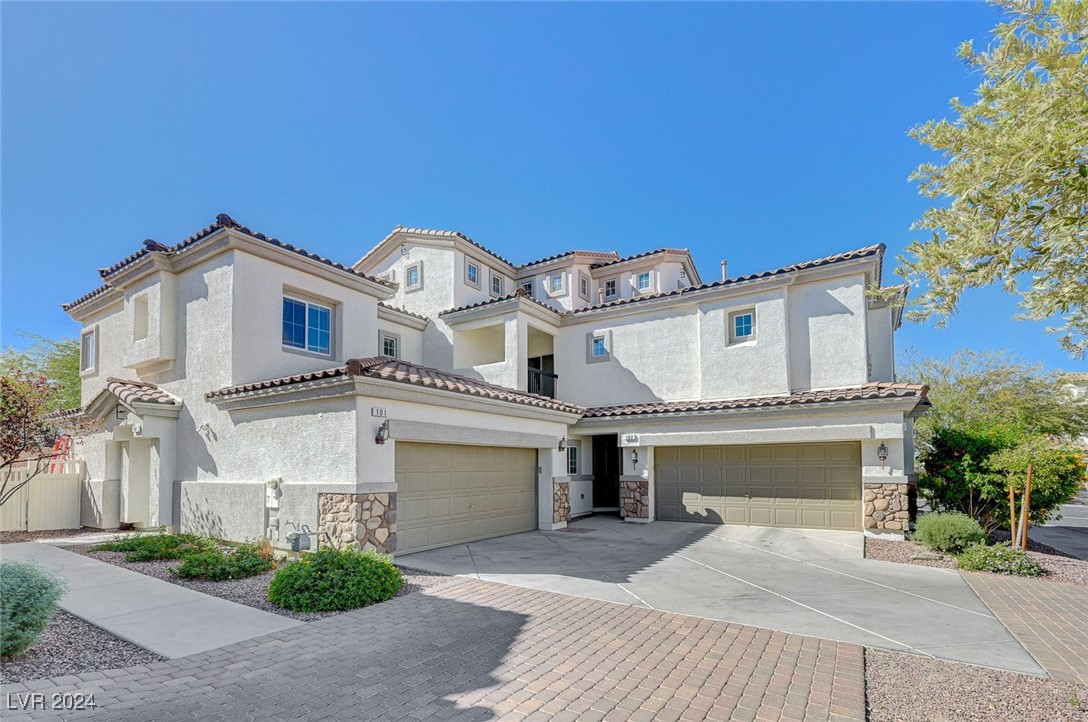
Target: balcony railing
{"points": [[543, 383]]}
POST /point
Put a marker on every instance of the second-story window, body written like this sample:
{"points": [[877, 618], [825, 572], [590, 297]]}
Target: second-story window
{"points": [[527, 286], [413, 277], [555, 283], [88, 350], [610, 288], [643, 281], [583, 285], [598, 346], [472, 274], [742, 326], [307, 326], [390, 345], [497, 285]]}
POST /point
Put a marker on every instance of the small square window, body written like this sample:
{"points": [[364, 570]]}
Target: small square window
{"points": [[610, 288], [598, 346], [472, 274], [413, 276], [390, 345], [742, 326], [497, 285], [555, 283], [572, 459], [643, 281], [88, 350], [527, 286]]}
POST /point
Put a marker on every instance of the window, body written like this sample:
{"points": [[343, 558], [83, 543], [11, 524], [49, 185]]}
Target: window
{"points": [[497, 285], [742, 326], [555, 283], [527, 286], [572, 459], [642, 281], [472, 274], [583, 285], [390, 344], [140, 317], [598, 346], [307, 326], [413, 276], [610, 288], [88, 350]]}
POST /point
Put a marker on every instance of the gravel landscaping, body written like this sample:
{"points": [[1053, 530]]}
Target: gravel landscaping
{"points": [[250, 591], [1062, 567], [13, 537], [70, 645], [911, 688]]}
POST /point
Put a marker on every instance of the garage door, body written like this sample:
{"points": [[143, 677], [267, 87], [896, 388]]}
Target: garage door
{"points": [[449, 494], [811, 486]]}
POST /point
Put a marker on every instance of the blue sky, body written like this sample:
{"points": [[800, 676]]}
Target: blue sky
{"points": [[761, 133]]}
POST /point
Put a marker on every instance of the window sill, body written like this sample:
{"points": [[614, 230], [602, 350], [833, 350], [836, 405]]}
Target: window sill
{"points": [[737, 344], [305, 352]]}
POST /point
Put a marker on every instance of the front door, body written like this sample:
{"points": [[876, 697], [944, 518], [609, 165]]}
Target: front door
{"points": [[606, 472]]}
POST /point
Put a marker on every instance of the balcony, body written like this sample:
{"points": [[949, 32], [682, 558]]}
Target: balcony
{"points": [[543, 383]]}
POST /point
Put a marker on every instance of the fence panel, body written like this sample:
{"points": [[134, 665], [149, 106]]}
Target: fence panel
{"points": [[13, 512]]}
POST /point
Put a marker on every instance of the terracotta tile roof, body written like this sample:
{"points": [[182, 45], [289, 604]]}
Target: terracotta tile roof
{"points": [[387, 369], [438, 234], [868, 251], [140, 392], [518, 293], [612, 255], [646, 254], [63, 414], [401, 310], [876, 390], [86, 297]]}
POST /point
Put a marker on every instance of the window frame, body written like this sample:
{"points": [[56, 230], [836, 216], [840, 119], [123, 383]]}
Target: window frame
{"points": [[527, 286], [384, 336], [307, 304], [141, 316], [92, 333], [549, 284], [606, 338], [615, 287], [468, 280], [734, 316], [418, 268], [491, 285], [649, 281], [584, 285], [574, 449]]}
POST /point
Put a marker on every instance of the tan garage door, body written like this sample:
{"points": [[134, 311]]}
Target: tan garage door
{"points": [[449, 494], [810, 486]]}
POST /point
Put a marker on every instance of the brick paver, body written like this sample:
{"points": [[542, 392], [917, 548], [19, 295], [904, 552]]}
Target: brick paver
{"points": [[1050, 619], [479, 650]]}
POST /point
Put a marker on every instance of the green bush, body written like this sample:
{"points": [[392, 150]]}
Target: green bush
{"points": [[217, 565], [948, 532], [28, 601], [1000, 559], [142, 548], [332, 580]]}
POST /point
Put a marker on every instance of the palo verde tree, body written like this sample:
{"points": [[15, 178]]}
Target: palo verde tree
{"points": [[25, 437], [1014, 184]]}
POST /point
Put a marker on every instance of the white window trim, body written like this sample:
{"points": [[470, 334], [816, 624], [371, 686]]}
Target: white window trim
{"points": [[331, 306], [469, 281], [583, 280], [576, 447], [649, 288], [607, 336], [382, 336], [491, 284], [418, 265], [735, 340], [527, 286], [562, 290], [93, 368], [615, 287]]}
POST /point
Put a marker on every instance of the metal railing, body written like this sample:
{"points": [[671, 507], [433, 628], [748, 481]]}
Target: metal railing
{"points": [[543, 383]]}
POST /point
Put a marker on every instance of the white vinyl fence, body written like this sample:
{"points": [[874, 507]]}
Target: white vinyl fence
{"points": [[49, 501]]}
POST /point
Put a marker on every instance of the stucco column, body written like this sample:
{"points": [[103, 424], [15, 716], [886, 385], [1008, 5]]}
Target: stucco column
{"points": [[517, 353], [889, 492], [549, 468], [162, 467]]}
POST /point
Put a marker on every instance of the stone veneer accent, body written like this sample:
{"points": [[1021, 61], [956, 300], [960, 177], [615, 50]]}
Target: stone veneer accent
{"points": [[635, 499], [364, 521], [889, 507], [561, 502]]}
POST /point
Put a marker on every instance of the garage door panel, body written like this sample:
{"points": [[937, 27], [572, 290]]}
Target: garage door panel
{"points": [[790, 485]]}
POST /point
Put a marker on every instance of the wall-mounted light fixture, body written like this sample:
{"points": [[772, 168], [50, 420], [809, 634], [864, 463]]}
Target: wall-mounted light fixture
{"points": [[882, 453], [562, 444], [634, 456], [383, 433]]}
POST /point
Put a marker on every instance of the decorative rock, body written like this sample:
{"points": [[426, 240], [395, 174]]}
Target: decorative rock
{"points": [[888, 507], [561, 502], [634, 496], [363, 521]]}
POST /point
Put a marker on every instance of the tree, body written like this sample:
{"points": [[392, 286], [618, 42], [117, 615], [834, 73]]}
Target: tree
{"points": [[56, 359], [25, 437], [1057, 474], [1016, 176]]}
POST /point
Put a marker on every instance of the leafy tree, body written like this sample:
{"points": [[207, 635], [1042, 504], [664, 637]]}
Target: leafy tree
{"points": [[56, 359], [1057, 473], [1016, 175], [25, 437]]}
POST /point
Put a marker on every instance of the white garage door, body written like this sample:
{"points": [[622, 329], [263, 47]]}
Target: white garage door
{"points": [[448, 494], [810, 486]]}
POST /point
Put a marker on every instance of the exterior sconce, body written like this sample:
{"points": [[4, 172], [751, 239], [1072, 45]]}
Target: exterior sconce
{"points": [[563, 444], [634, 456], [383, 433], [882, 453]]}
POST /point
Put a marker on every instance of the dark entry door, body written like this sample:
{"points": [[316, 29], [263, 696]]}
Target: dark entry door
{"points": [[606, 471]]}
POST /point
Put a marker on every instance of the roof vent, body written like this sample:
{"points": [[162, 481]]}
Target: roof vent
{"points": [[725, 270]]}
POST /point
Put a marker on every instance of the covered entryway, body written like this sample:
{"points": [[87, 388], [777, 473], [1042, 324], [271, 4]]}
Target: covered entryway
{"points": [[810, 486], [451, 494]]}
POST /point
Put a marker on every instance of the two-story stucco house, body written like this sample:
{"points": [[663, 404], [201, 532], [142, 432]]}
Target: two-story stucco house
{"points": [[435, 392]]}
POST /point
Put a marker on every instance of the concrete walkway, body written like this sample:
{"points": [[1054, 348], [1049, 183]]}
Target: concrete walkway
{"points": [[804, 582], [1070, 533], [165, 618], [472, 650]]}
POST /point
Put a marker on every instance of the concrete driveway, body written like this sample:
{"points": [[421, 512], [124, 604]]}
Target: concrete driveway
{"points": [[805, 582]]}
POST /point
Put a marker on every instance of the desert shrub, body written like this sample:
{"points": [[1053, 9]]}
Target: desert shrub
{"points": [[948, 532], [217, 565], [28, 601], [142, 548], [1000, 559], [333, 580]]}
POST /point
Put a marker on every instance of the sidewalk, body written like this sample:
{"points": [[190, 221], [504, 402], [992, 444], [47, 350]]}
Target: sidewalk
{"points": [[159, 616]]}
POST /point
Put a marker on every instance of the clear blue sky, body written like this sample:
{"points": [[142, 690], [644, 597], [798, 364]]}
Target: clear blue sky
{"points": [[761, 133]]}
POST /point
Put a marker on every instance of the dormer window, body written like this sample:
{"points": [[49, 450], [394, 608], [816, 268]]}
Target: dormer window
{"points": [[644, 281]]}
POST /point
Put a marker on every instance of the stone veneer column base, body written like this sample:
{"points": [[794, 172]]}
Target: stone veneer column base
{"points": [[364, 521], [561, 502], [887, 508], [635, 499]]}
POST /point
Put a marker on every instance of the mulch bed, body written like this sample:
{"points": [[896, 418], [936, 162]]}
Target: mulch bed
{"points": [[911, 688], [70, 645], [1062, 566], [250, 591]]}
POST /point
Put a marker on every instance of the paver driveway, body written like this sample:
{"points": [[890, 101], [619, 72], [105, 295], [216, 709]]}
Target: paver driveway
{"points": [[477, 650], [805, 582]]}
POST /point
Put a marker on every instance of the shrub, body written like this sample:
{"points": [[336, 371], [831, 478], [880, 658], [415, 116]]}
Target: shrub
{"points": [[1000, 559], [332, 580], [28, 601], [217, 565], [142, 548], [948, 532]]}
